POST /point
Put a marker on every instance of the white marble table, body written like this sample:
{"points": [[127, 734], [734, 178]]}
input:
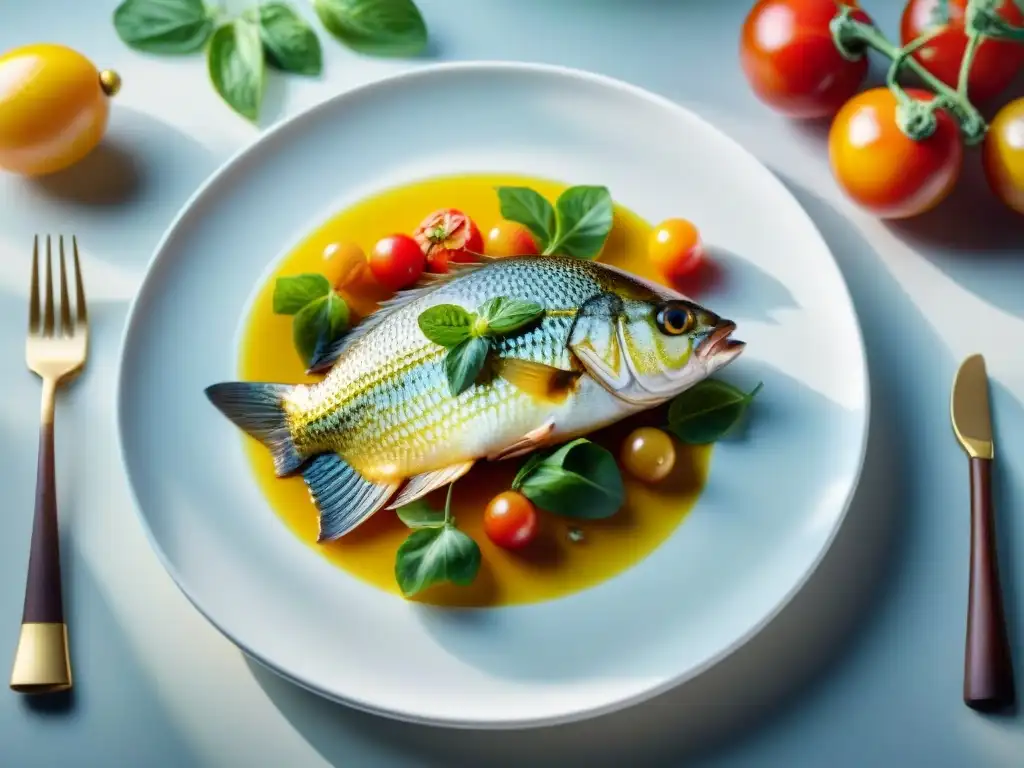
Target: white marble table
{"points": [[863, 668]]}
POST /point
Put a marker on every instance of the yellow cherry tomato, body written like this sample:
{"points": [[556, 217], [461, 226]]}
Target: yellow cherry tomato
{"points": [[674, 247], [343, 263], [53, 108], [1003, 154], [648, 454]]}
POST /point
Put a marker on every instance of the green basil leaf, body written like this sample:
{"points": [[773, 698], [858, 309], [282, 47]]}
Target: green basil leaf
{"points": [[235, 62], [434, 555], [319, 323], [381, 27], [585, 216], [163, 26], [445, 324], [580, 480], [529, 208], [419, 514], [290, 43], [506, 315], [464, 362], [293, 292], [707, 411], [524, 471]]}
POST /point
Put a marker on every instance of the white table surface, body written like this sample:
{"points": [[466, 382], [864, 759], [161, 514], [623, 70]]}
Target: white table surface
{"points": [[864, 668]]}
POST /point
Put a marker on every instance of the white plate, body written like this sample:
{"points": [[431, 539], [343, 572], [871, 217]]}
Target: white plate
{"points": [[774, 500]]}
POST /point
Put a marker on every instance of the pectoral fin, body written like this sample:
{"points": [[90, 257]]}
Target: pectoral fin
{"points": [[421, 485], [531, 441], [344, 498], [542, 382]]}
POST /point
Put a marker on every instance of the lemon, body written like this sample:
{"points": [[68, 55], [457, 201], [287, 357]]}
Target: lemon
{"points": [[54, 107]]}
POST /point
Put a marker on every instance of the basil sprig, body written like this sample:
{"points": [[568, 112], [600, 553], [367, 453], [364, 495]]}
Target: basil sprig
{"points": [[708, 411], [320, 314], [239, 47], [469, 336], [577, 224], [436, 551], [579, 480]]}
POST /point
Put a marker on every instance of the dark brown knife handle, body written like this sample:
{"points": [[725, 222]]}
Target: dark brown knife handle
{"points": [[43, 599], [988, 672]]}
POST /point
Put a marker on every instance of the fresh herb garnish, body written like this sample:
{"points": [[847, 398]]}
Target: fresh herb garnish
{"points": [[708, 411], [321, 315], [419, 514], [293, 292], [436, 551], [164, 26], [469, 336], [287, 42], [381, 27], [579, 480], [577, 225], [235, 62]]}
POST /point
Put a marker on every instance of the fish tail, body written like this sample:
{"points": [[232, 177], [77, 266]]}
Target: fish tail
{"points": [[258, 409]]}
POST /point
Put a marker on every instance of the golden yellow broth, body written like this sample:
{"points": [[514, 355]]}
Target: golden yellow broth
{"points": [[553, 565]]}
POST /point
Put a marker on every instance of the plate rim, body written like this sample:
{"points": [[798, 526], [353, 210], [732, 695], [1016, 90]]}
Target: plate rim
{"points": [[527, 68]]}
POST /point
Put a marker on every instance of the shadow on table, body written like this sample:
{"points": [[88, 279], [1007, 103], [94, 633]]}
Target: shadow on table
{"points": [[779, 670]]}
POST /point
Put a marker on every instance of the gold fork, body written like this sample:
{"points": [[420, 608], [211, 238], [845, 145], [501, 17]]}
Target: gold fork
{"points": [[55, 353]]}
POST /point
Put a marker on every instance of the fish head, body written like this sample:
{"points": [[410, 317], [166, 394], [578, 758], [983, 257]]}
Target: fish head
{"points": [[647, 344]]}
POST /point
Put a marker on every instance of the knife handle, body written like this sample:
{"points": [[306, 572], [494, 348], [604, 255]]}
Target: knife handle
{"points": [[988, 673]]}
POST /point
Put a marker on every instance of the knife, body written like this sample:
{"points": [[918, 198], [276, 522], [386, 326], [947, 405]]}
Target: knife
{"points": [[988, 672]]}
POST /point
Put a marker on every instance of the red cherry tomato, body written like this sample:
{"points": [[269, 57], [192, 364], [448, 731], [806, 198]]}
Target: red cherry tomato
{"points": [[995, 63], [448, 235], [509, 238], [881, 168], [510, 520], [791, 61], [674, 247], [396, 261]]}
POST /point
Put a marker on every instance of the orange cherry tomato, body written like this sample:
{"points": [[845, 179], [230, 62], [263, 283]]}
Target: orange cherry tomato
{"points": [[396, 261], [882, 169], [510, 520], [343, 262], [54, 107], [448, 235], [510, 238], [791, 61], [648, 454], [1003, 155], [995, 63], [675, 249]]}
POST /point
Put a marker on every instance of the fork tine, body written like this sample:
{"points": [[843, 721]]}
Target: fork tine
{"points": [[48, 304], [33, 299], [67, 328], [80, 288]]}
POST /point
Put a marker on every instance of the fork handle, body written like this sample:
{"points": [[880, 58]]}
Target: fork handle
{"points": [[41, 663], [988, 672]]}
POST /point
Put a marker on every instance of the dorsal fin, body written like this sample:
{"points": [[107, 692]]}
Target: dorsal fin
{"points": [[430, 282]]}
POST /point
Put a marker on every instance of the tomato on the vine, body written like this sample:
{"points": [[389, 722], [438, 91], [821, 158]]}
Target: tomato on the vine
{"points": [[510, 520], [1003, 155], [884, 170], [995, 62], [791, 61], [396, 261]]}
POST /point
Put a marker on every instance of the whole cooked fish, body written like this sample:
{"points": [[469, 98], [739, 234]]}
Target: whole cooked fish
{"points": [[382, 428]]}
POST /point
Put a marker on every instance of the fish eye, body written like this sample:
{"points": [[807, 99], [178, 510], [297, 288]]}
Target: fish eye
{"points": [[674, 320]]}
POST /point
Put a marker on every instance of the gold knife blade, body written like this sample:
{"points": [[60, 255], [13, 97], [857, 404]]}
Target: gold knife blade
{"points": [[969, 408]]}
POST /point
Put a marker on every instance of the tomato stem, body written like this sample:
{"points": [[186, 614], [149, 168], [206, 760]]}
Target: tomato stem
{"points": [[916, 118]]}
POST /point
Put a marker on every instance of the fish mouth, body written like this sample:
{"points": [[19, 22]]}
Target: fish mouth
{"points": [[717, 343]]}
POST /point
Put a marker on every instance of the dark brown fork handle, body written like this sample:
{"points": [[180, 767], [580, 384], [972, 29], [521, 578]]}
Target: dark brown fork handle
{"points": [[43, 601], [988, 672]]}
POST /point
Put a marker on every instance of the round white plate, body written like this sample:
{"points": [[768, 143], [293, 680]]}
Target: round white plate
{"points": [[775, 497]]}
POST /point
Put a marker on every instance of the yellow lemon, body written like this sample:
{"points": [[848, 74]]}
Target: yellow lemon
{"points": [[53, 107]]}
